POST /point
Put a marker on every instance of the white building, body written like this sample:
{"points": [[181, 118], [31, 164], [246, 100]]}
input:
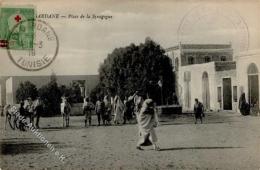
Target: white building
{"points": [[248, 67], [206, 72]]}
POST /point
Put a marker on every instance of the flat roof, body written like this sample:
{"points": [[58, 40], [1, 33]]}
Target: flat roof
{"points": [[199, 46]]}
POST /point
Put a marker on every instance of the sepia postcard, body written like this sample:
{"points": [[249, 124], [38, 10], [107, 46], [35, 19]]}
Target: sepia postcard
{"points": [[130, 84]]}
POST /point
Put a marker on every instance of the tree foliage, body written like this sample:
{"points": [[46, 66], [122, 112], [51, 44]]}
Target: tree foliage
{"points": [[51, 96], [72, 92], [133, 68], [26, 89]]}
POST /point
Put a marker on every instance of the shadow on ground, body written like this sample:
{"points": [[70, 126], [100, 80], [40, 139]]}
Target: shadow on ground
{"points": [[58, 128], [188, 148], [21, 147], [186, 123]]}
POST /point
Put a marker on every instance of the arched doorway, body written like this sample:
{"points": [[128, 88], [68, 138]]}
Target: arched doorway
{"points": [[253, 87], [205, 91]]}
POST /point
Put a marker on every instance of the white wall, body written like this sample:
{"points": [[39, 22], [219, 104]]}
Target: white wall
{"points": [[243, 61], [9, 91], [215, 80], [197, 71]]}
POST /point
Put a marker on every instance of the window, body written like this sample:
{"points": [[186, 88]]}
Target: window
{"points": [[252, 69], [187, 76], [207, 59], [223, 58], [176, 64], [235, 93], [219, 94], [190, 60]]}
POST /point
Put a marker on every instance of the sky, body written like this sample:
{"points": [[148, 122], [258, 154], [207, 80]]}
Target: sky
{"points": [[84, 44]]}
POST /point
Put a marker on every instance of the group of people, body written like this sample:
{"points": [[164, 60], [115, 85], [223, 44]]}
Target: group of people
{"points": [[28, 109], [111, 109], [137, 106]]}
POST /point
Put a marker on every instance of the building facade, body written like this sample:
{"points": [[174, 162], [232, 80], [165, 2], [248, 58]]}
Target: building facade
{"points": [[248, 71], [9, 85], [206, 72]]}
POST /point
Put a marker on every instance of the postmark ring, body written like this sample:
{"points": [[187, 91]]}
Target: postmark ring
{"points": [[201, 12], [45, 47]]}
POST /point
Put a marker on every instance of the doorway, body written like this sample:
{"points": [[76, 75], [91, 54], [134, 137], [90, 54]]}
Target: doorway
{"points": [[253, 88], [227, 94]]}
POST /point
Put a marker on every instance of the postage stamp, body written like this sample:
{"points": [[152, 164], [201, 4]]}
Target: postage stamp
{"points": [[23, 36], [45, 46]]}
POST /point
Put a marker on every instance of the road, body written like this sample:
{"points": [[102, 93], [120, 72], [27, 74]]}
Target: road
{"points": [[224, 141]]}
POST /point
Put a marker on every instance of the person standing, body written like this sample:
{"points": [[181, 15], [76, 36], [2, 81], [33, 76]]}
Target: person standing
{"points": [[198, 110], [138, 102], [244, 107], [38, 110], [100, 109], [108, 108], [22, 113], [29, 107], [88, 106], [119, 110], [147, 121], [128, 113]]}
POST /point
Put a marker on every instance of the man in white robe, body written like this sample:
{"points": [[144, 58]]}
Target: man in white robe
{"points": [[147, 121]]}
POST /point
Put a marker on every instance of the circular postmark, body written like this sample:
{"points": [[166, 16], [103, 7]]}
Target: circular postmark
{"points": [[216, 23], [32, 50]]}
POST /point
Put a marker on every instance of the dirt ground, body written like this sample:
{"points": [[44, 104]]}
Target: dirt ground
{"points": [[225, 141]]}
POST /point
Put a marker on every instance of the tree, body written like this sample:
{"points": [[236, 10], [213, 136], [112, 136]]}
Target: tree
{"points": [[140, 67], [72, 92], [96, 93], [51, 96], [26, 89]]}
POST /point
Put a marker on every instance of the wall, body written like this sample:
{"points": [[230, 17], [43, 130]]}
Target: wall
{"points": [[9, 91], [215, 80], [2, 91], [243, 61], [197, 71], [13, 83], [76, 109]]}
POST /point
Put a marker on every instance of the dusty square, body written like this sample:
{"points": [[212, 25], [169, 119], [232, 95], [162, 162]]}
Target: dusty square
{"points": [[225, 141]]}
